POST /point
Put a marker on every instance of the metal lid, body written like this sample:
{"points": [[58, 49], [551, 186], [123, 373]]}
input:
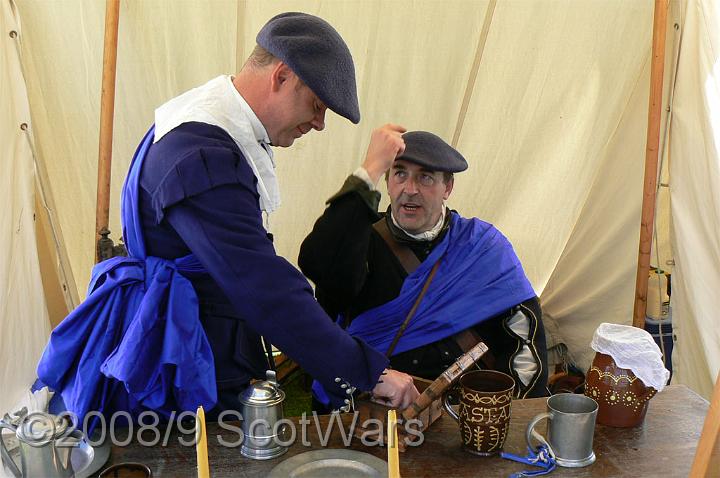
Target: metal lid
{"points": [[264, 393], [40, 428]]}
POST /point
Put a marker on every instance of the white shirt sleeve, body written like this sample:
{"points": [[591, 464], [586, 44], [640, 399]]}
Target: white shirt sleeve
{"points": [[363, 174]]}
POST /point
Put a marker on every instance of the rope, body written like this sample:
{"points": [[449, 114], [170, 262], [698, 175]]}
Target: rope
{"points": [[542, 457]]}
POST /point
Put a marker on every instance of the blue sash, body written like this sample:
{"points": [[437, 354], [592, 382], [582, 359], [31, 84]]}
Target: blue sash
{"points": [[479, 277], [138, 327]]}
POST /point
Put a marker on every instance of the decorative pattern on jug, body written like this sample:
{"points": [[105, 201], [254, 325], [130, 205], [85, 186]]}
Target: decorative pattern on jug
{"points": [[621, 396], [617, 397]]}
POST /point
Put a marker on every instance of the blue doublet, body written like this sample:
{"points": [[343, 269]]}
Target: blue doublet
{"points": [[199, 195], [136, 342]]}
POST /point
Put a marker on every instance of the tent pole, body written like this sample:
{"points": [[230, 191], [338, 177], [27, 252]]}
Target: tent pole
{"points": [[707, 455], [651, 162], [107, 111]]}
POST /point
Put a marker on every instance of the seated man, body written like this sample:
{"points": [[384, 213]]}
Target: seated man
{"points": [[370, 268]]}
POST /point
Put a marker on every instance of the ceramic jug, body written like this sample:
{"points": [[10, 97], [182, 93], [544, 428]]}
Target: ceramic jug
{"points": [[622, 397]]}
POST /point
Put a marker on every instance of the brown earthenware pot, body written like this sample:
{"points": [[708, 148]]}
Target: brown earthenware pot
{"points": [[621, 396]]}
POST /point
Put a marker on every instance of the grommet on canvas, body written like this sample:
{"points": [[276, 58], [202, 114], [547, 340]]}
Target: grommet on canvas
{"points": [[23, 126], [13, 34]]}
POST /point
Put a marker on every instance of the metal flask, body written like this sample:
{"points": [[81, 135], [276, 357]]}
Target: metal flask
{"points": [[45, 442], [262, 409]]}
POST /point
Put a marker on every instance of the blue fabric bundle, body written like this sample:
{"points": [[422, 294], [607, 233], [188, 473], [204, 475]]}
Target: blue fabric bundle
{"points": [[138, 327]]}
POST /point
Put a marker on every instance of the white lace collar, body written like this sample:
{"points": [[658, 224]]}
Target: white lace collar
{"points": [[218, 103]]}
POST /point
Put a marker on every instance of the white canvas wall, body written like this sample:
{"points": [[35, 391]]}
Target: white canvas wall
{"points": [[24, 325], [695, 195]]}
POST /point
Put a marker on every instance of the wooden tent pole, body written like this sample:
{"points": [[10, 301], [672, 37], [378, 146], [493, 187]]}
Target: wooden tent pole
{"points": [[651, 162], [707, 456], [107, 112]]}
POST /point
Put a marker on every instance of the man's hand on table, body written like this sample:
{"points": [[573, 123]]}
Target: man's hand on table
{"points": [[395, 389]]}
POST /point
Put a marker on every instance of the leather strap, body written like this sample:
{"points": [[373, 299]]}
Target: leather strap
{"points": [[405, 323], [410, 262], [467, 339], [405, 255]]}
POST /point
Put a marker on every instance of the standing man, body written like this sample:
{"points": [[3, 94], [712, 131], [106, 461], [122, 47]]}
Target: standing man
{"points": [[193, 208], [371, 268]]}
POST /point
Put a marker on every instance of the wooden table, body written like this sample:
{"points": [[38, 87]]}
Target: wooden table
{"points": [[664, 446]]}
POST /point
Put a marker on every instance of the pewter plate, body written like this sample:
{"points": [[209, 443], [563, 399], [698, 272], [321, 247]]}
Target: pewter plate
{"points": [[331, 463], [81, 458], [101, 455]]}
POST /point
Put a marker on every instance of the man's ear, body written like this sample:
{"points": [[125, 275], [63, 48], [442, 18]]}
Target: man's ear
{"points": [[448, 188], [280, 75]]}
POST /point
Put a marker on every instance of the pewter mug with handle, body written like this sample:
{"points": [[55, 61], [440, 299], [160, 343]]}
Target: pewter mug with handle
{"points": [[46, 443], [262, 411], [571, 426]]}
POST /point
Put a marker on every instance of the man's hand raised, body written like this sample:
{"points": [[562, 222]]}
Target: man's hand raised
{"points": [[386, 144], [395, 389]]}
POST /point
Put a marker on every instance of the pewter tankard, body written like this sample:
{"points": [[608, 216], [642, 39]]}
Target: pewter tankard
{"points": [[46, 443], [262, 409], [570, 429]]}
